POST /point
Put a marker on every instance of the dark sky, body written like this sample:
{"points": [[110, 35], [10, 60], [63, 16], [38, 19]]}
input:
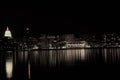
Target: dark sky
{"points": [[57, 19]]}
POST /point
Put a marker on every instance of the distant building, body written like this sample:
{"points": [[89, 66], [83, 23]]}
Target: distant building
{"points": [[7, 42], [8, 33], [70, 38], [111, 40]]}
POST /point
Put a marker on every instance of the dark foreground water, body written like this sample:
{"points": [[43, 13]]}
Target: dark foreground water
{"points": [[59, 64]]}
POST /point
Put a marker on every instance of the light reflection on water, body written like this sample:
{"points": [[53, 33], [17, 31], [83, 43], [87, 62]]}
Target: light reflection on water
{"points": [[9, 66], [58, 57], [111, 55], [22, 62]]}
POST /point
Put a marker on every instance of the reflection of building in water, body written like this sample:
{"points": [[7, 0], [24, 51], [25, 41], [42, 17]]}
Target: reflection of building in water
{"points": [[75, 55], [82, 54], [40, 58], [36, 56], [58, 57], [29, 69], [9, 66], [111, 55], [105, 52], [52, 57], [69, 57]]}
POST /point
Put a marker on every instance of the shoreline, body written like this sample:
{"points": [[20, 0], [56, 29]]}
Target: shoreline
{"points": [[57, 49]]}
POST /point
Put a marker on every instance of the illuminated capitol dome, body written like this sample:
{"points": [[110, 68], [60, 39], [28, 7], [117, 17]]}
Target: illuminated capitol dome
{"points": [[8, 33], [8, 42]]}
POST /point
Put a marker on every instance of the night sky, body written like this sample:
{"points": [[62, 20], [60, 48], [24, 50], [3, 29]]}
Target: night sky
{"points": [[52, 19]]}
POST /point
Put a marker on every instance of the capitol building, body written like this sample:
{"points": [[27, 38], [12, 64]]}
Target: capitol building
{"points": [[7, 42], [7, 33]]}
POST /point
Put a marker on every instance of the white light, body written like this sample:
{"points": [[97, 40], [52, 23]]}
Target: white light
{"points": [[8, 33], [82, 54], [9, 68], [27, 28]]}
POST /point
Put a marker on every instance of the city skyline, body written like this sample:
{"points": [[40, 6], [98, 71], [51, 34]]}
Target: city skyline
{"points": [[36, 31], [70, 41]]}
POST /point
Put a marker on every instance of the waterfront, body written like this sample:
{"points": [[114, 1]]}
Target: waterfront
{"points": [[25, 65]]}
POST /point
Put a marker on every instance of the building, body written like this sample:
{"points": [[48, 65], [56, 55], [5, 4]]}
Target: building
{"points": [[7, 42], [7, 33], [111, 40]]}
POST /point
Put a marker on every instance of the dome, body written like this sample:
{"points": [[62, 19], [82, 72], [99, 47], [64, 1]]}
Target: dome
{"points": [[8, 33]]}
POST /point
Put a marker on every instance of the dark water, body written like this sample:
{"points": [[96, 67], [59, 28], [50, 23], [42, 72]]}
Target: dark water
{"points": [[35, 65]]}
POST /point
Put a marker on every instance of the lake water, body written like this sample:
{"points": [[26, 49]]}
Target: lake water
{"points": [[34, 65]]}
